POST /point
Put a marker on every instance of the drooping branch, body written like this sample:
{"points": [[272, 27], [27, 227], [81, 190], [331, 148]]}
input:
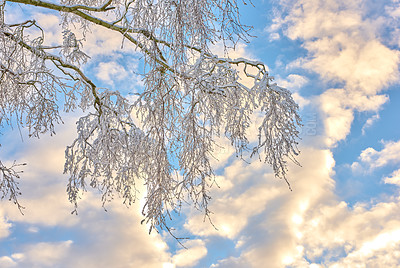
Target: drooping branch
{"points": [[9, 184], [189, 97], [61, 65]]}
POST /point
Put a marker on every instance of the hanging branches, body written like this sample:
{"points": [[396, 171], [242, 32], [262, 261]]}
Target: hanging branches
{"points": [[190, 97]]}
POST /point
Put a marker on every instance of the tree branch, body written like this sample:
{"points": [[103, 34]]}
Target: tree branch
{"points": [[60, 64], [9, 185], [123, 30]]}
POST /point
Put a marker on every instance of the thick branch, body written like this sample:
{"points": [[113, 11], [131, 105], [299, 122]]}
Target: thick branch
{"points": [[124, 31], [60, 64], [95, 9], [76, 9]]}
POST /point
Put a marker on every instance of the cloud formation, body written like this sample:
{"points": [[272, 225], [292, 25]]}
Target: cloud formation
{"points": [[96, 238], [272, 234], [4, 226], [265, 222], [371, 159], [189, 257], [345, 48], [312, 227], [394, 178]]}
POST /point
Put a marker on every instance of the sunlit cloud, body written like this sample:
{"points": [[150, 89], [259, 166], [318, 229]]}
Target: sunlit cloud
{"points": [[189, 257], [343, 47], [353, 236], [394, 178], [109, 237], [273, 205], [109, 72], [370, 121], [372, 159], [294, 83], [338, 106], [4, 226], [44, 254], [266, 222], [6, 261], [313, 228]]}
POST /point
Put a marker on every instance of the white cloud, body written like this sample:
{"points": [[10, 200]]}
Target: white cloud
{"points": [[274, 36], [313, 18], [98, 238], [189, 257], [394, 178], [338, 119], [294, 83], [394, 10], [346, 237], [311, 227], [42, 181], [322, 232], [272, 231], [6, 262], [338, 106], [268, 223], [45, 254], [370, 121], [103, 42], [233, 206], [114, 237], [343, 47], [4, 226], [33, 229], [50, 23], [370, 158], [365, 65], [369, 249], [358, 95], [108, 72]]}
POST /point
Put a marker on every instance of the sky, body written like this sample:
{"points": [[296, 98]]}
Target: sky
{"points": [[341, 61]]}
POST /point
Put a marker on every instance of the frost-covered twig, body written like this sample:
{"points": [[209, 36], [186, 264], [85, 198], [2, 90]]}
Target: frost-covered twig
{"points": [[190, 97], [8, 183]]}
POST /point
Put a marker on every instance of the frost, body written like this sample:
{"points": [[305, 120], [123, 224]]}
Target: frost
{"points": [[190, 97]]}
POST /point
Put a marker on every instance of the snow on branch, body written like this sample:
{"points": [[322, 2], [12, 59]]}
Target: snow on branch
{"points": [[190, 97], [9, 185]]}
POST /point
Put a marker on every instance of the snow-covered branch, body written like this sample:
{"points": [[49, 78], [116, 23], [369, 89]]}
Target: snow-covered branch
{"points": [[8, 183], [190, 97]]}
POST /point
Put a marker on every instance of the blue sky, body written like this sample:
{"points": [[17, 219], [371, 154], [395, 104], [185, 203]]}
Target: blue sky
{"points": [[341, 61]]}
